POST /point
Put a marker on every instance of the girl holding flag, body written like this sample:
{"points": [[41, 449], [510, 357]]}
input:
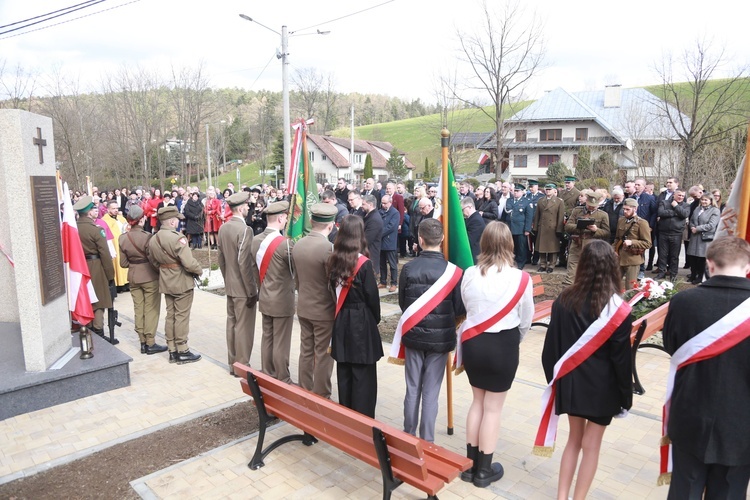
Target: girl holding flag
{"points": [[355, 343], [588, 366]]}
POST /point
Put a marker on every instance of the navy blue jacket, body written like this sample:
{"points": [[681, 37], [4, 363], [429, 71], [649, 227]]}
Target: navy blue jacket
{"points": [[520, 215], [390, 229]]}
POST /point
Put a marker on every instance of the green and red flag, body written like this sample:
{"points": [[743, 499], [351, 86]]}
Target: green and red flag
{"points": [[303, 191], [459, 251]]}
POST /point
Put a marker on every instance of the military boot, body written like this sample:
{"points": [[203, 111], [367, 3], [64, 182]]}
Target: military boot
{"points": [[173, 357], [155, 349], [187, 357], [143, 347]]}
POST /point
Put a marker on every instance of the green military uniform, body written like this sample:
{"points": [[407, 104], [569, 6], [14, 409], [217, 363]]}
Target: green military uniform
{"points": [[99, 260], [143, 276], [177, 267], [548, 225], [570, 198], [580, 237], [638, 232]]}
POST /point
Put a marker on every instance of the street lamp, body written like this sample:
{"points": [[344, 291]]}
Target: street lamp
{"points": [[284, 56]]}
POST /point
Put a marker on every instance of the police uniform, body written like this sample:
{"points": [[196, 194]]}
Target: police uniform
{"points": [[581, 237], [235, 261], [549, 217], [315, 304], [534, 199], [275, 301], [99, 260], [638, 232], [520, 216], [177, 267], [143, 276]]}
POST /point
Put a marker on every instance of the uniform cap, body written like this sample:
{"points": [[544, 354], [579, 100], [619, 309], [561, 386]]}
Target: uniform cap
{"points": [[533, 182], [169, 212], [135, 213], [593, 198], [84, 204], [551, 185], [518, 187], [630, 202], [323, 212], [277, 207], [238, 198], [570, 178]]}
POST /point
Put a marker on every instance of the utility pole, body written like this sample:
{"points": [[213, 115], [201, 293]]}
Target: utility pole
{"points": [[208, 157], [285, 100], [351, 151]]}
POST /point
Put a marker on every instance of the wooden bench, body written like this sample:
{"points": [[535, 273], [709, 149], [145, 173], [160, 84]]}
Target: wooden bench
{"points": [[401, 457], [542, 310], [643, 328]]}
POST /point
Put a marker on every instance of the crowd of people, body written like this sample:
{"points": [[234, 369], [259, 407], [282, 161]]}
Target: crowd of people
{"points": [[352, 250]]}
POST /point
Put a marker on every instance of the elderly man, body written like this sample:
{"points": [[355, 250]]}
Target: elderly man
{"points": [[632, 239], [116, 224], [520, 217], [549, 219], [596, 227], [613, 209], [647, 211], [475, 225], [370, 189], [672, 213], [503, 195], [425, 211], [98, 258], [388, 243], [236, 263], [177, 271]]}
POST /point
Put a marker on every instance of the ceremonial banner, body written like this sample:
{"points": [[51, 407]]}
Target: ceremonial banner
{"points": [[80, 289], [303, 191], [459, 250]]}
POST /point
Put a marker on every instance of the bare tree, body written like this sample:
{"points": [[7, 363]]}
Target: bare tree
{"points": [[16, 87], [504, 55], [330, 100], [309, 91], [701, 106]]}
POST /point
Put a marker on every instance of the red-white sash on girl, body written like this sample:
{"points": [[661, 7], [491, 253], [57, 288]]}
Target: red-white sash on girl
{"points": [[421, 307], [343, 290], [265, 252], [479, 323], [714, 340], [612, 316]]}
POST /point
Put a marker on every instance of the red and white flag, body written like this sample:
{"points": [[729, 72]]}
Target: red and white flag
{"points": [[80, 289]]}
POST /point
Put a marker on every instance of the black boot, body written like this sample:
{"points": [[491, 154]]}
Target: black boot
{"points": [[173, 357], [156, 348], [472, 452], [187, 357], [98, 331], [143, 347], [487, 472]]}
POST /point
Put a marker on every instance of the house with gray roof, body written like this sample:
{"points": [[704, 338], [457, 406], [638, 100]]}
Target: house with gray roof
{"points": [[330, 158], [626, 123]]}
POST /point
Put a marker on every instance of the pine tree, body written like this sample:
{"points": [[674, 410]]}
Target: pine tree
{"points": [[396, 166], [368, 167]]}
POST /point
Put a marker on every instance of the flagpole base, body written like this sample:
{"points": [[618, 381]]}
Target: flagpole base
{"points": [[450, 431], [543, 451], [664, 479], [396, 361]]}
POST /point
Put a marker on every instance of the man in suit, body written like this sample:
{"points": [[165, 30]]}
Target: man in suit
{"points": [[672, 212], [520, 216], [613, 209], [341, 191], [397, 201], [370, 189], [143, 277], [355, 204], [475, 225], [388, 243], [549, 217], [329, 197], [373, 230], [99, 260], [710, 401], [503, 195], [272, 270], [315, 304], [236, 263], [646, 211]]}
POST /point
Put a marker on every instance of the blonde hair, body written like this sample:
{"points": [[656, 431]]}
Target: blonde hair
{"points": [[495, 247]]}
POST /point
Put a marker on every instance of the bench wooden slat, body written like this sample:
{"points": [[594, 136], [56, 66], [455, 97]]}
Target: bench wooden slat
{"points": [[654, 322], [542, 310]]}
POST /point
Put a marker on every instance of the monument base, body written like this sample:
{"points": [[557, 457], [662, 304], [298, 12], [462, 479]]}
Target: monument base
{"points": [[22, 391]]}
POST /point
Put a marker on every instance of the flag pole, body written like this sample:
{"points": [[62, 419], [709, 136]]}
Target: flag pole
{"points": [[444, 140]]}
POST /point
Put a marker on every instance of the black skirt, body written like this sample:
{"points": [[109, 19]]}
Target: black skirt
{"points": [[491, 359]]}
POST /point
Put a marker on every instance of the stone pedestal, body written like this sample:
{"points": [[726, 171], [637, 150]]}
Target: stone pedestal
{"points": [[30, 291]]}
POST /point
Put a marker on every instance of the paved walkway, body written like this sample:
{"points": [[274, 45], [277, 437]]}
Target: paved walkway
{"points": [[162, 395]]}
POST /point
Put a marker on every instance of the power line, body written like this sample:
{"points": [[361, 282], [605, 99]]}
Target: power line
{"points": [[69, 20], [45, 15], [52, 17], [344, 17]]}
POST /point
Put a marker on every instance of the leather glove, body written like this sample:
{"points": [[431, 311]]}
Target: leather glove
{"points": [[251, 301]]}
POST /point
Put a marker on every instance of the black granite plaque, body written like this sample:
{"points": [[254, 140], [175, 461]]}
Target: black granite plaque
{"points": [[48, 236]]}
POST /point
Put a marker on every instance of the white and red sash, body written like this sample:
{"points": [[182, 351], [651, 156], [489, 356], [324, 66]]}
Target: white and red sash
{"points": [[343, 290], [265, 252], [479, 323], [421, 307], [614, 313], [718, 338]]}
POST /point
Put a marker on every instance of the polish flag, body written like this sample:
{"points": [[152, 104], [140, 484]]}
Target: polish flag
{"points": [[80, 289]]}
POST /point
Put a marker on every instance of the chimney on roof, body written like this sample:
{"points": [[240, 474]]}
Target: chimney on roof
{"points": [[612, 96]]}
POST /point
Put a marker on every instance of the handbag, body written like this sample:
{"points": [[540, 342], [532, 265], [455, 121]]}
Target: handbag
{"points": [[707, 236]]}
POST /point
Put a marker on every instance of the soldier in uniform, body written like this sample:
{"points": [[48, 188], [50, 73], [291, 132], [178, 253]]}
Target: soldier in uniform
{"points": [[533, 195], [569, 196], [177, 270], [549, 220], [272, 268], [315, 303], [598, 229], [632, 239], [143, 276], [236, 263], [101, 268], [520, 216]]}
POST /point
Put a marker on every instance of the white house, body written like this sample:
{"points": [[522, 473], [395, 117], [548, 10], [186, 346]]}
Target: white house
{"points": [[329, 157], [626, 123]]}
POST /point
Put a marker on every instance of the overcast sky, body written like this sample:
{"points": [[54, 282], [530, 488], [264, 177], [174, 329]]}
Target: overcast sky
{"points": [[395, 48]]}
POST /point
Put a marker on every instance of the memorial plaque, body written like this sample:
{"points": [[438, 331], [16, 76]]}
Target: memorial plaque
{"points": [[48, 236]]}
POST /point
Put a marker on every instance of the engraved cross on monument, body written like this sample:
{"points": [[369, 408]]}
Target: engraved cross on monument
{"points": [[38, 141]]}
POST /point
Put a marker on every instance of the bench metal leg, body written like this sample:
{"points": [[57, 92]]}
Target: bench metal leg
{"points": [[384, 459], [545, 325], [637, 387], [264, 419]]}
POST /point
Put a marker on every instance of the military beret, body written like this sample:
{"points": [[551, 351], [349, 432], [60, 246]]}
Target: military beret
{"points": [[570, 178], [593, 198], [533, 182], [518, 187], [323, 212], [277, 207], [238, 198], [630, 202], [84, 204], [135, 213], [169, 212], [551, 185]]}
